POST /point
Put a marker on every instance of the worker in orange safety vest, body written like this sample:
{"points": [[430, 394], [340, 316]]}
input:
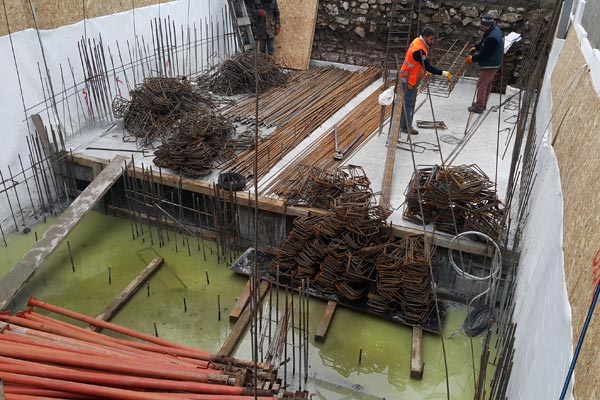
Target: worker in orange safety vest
{"points": [[416, 63]]}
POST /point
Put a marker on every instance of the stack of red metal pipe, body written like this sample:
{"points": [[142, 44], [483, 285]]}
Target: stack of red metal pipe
{"points": [[44, 358]]}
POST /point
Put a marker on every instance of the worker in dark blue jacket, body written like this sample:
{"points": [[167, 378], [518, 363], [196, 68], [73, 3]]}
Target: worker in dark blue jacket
{"points": [[488, 53], [267, 24]]}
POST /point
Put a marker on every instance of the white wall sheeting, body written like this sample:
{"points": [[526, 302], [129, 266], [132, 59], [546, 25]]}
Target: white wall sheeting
{"points": [[591, 54], [60, 45], [543, 338]]}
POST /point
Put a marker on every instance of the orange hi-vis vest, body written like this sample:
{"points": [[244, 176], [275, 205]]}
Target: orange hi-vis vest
{"points": [[412, 71]]}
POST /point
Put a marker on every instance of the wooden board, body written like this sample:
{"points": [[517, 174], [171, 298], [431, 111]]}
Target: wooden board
{"points": [[240, 326], [119, 301], [293, 45], [390, 158], [49, 153], [325, 321], [14, 281], [240, 304], [53, 14], [416, 359]]}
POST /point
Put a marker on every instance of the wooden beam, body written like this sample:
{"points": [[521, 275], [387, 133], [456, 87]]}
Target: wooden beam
{"points": [[240, 304], [14, 281], [38, 124], [279, 207], [416, 359], [119, 301], [325, 321], [390, 158], [49, 152], [240, 326]]}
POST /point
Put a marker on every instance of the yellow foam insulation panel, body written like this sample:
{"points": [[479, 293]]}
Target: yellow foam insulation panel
{"points": [[293, 45]]}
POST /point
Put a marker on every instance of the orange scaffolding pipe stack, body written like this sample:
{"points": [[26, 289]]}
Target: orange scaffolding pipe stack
{"points": [[44, 358]]}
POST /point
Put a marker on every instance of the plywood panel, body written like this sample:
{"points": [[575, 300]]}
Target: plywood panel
{"points": [[577, 146], [293, 45], [55, 13], [19, 16]]}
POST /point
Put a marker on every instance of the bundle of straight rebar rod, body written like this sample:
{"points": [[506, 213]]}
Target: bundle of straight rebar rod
{"points": [[352, 132], [455, 199], [281, 103], [306, 108], [157, 106], [42, 357], [199, 140], [243, 73]]}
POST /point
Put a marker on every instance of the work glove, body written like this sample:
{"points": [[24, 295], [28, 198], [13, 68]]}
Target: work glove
{"points": [[277, 29], [447, 75], [472, 50], [469, 60], [262, 12]]}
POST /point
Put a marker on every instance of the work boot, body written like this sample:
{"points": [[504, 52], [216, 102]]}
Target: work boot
{"points": [[410, 130], [474, 109]]}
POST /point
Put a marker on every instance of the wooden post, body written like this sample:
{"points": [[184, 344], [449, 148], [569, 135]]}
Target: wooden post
{"points": [[416, 360]]}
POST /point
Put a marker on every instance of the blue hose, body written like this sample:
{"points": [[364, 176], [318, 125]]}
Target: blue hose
{"points": [[580, 342]]}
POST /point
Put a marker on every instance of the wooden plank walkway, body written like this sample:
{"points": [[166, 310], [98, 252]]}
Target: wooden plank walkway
{"points": [[14, 281], [119, 301], [325, 321]]}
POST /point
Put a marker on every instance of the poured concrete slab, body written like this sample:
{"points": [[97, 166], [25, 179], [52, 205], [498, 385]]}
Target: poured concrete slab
{"points": [[490, 141]]}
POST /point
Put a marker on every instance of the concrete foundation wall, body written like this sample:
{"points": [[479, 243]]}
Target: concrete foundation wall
{"points": [[577, 146], [355, 32]]}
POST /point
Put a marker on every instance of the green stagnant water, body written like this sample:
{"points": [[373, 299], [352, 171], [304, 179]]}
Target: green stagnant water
{"points": [[101, 243]]}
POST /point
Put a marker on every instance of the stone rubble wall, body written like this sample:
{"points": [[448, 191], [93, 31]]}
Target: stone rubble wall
{"points": [[355, 31]]}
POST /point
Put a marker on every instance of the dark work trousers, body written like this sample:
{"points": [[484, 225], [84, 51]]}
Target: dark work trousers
{"points": [[268, 45], [410, 96], [484, 86]]}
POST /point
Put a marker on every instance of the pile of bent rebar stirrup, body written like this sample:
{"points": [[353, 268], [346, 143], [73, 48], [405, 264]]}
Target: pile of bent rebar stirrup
{"points": [[243, 73], [455, 199], [350, 253], [194, 134]]}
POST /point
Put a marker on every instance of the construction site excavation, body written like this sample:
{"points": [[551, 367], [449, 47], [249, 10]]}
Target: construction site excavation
{"points": [[269, 199]]}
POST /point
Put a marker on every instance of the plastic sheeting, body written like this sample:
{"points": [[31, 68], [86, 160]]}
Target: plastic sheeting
{"points": [[60, 46], [591, 53], [543, 338]]}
